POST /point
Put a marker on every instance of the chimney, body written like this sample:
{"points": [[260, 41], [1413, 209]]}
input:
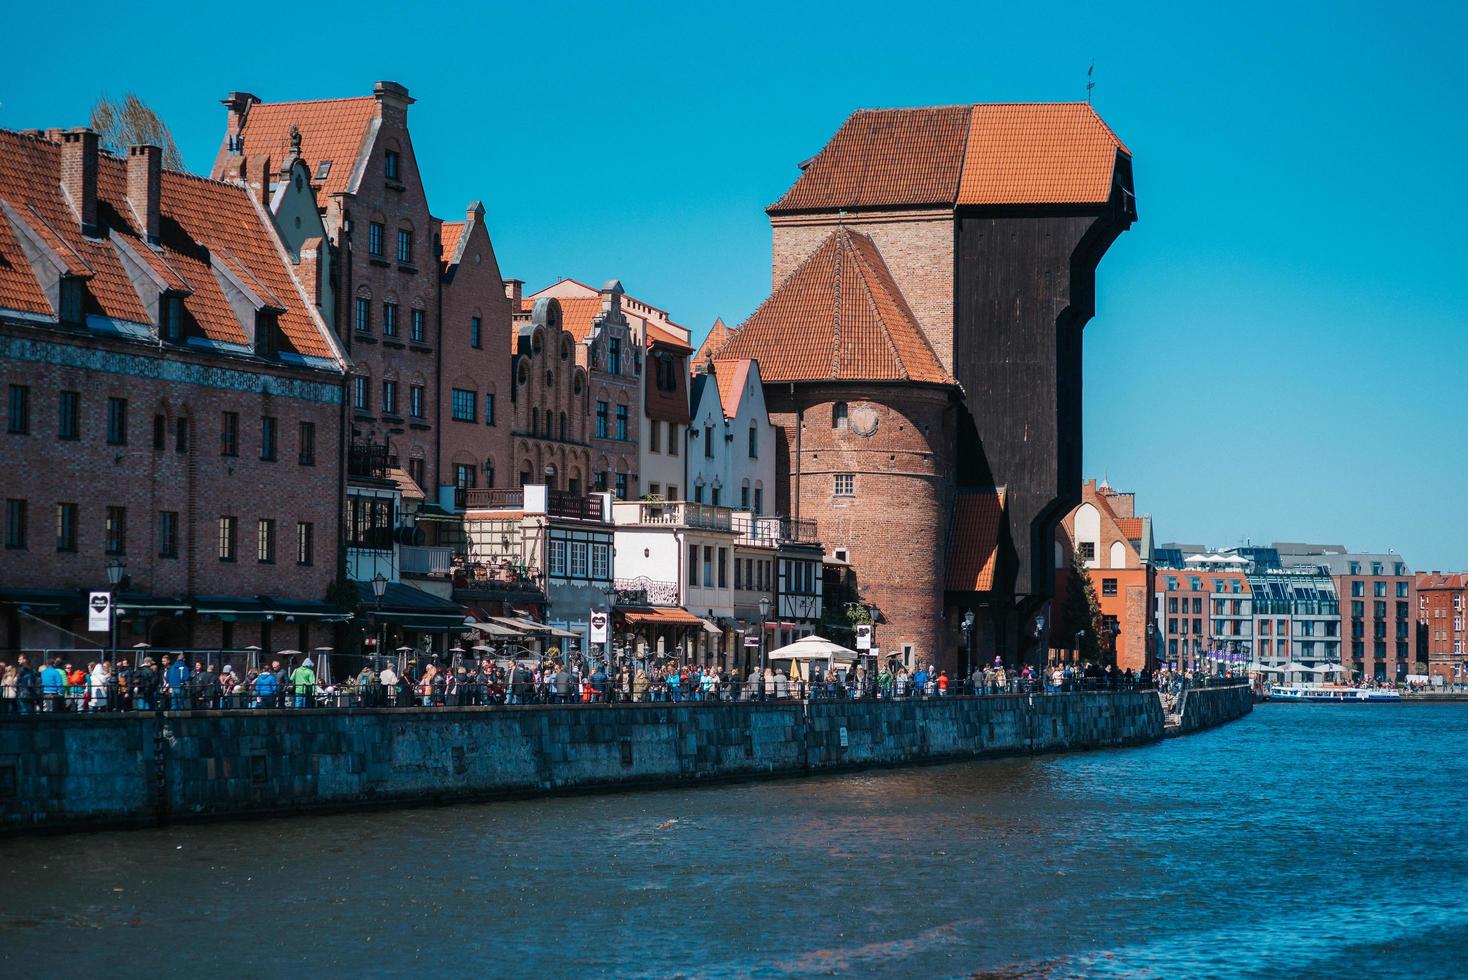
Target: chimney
{"points": [[475, 213], [515, 291], [257, 181], [393, 94], [79, 175], [239, 104], [144, 186]]}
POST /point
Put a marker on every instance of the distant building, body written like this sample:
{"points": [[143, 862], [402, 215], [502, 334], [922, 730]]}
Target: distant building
{"points": [[1378, 607], [1204, 616], [1441, 612], [1297, 624], [1116, 546]]}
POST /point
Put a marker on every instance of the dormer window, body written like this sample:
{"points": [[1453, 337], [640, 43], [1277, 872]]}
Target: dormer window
{"points": [[172, 325], [71, 300], [390, 165], [266, 326], [323, 169]]}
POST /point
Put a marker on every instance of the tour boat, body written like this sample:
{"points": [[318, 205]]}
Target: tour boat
{"points": [[1330, 693]]}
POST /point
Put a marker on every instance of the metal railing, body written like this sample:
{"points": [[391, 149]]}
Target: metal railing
{"points": [[421, 560], [367, 459], [674, 514], [773, 531]]}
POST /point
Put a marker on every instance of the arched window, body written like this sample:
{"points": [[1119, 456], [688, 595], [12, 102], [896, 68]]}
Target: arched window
{"points": [[838, 415], [563, 426], [550, 475]]}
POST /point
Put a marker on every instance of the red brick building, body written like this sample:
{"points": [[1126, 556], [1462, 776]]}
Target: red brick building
{"points": [[549, 401], [972, 234], [1116, 545], [1442, 605], [173, 404], [422, 308]]}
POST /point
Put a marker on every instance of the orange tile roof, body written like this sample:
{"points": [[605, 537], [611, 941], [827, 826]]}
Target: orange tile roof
{"points": [[1429, 580], [449, 237], [973, 545], [657, 335], [203, 221], [331, 129], [663, 616], [838, 317], [718, 336], [579, 314], [1130, 526], [1002, 153], [733, 378]]}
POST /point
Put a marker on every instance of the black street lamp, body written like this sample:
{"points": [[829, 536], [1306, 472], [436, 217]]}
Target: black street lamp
{"points": [[115, 569], [968, 646], [764, 615], [379, 586]]}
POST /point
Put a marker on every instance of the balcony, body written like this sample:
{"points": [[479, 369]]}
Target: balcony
{"points": [[645, 513], [367, 460], [771, 531], [535, 499], [643, 591], [425, 561]]}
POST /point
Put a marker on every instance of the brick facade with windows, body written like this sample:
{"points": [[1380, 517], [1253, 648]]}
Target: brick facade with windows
{"points": [[1116, 546], [549, 403], [1442, 614]]}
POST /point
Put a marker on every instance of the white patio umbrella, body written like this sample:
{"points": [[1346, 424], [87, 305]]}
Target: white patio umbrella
{"points": [[813, 648]]}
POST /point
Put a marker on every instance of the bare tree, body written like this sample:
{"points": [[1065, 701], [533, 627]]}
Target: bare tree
{"points": [[129, 122]]}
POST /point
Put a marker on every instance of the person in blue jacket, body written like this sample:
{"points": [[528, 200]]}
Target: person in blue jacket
{"points": [[265, 689], [177, 679], [53, 685]]}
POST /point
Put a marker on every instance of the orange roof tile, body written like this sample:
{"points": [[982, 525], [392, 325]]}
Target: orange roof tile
{"points": [[733, 378], [579, 314], [205, 225], [663, 616], [657, 335], [1002, 153], [1131, 527], [448, 236], [331, 130], [838, 317], [973, 545], [718, 336]]}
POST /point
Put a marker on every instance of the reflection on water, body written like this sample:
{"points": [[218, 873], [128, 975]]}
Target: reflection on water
{"points": [[1306, 840]]}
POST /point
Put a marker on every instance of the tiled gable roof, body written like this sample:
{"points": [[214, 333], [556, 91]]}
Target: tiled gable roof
{"points": [[448, 236], [579, 314], [718, 336], [657, 335], [838, 317], [1130, 527], [941, 156], [733, 378], [973, 545], [208, 229], [333, 130]]}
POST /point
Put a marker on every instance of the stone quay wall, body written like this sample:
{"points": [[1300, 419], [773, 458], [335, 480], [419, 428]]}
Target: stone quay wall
{"points": [[66, 771]]}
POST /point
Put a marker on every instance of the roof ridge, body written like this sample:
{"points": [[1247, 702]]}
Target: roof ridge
{"points": [[341, 98], [842, 244]]}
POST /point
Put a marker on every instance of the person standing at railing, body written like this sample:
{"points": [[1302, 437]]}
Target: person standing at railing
{"points": [[99, 688], [266, 689], [303, 681], [176, 683], [10, 690]]}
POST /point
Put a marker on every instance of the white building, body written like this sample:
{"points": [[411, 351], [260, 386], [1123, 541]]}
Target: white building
{"points": [[731, 443]]}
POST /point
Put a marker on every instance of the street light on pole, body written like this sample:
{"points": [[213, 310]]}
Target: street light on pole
{"points": [[379, 586], [968, 646], [115, 569], [764, 614]]}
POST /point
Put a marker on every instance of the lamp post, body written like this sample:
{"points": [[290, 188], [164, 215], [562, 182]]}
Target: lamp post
{"points": [[610, 591], [1079, 634], [1151, 645], [968, 646], [379, 586], [764, 614], [115, 569]]}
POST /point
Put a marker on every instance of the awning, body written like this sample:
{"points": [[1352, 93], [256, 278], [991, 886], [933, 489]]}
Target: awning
{"points": [[411, 608], [709, 626], [496, 629], [525, 626], [661, 616], [141, 604], [42, 601], [262, 608]]}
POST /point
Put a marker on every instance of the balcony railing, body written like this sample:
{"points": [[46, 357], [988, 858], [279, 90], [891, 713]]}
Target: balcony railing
{"points": [[367, 459], [673, 514], [643, 591], [558, 503], [772, 531], [487, 499], [425, 561]]}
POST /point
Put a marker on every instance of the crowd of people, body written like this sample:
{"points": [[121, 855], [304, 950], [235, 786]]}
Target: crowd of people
{"points": [[173, 683]]}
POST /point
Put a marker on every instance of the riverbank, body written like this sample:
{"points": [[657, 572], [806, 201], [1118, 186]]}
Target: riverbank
{"points": [[77, 772]]}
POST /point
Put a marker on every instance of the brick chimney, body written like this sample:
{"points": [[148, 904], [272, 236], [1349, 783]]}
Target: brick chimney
{"points": [[515, 292], [144, 187], [79, 175], [393, 94], [238, 104], [257, 181]]}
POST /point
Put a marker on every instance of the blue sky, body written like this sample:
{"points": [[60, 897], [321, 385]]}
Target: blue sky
{"points": [[1279, 343]]}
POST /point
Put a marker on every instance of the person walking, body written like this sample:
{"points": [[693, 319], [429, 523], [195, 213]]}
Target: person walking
{"points": [[303, 683]]}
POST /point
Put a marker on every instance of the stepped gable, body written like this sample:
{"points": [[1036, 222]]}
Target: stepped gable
{"points": [[838, 317], [943, 156]]}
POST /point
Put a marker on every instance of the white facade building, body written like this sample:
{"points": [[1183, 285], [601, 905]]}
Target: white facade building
{"points": [[731, 443]]}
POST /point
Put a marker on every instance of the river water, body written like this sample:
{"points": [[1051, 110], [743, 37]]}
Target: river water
{"points": [[1305, 840]]}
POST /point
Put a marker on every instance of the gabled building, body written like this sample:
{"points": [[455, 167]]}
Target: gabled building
{"points": [[1442, 614], [173, 406], [550, 397], [731, 459]]}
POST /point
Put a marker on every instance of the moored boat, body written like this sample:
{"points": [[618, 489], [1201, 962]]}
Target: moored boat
{"points": [[1333, 694]]}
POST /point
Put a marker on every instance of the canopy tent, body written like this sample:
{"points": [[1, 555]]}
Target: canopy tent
{"points": [[814, 648], [496, 629]]}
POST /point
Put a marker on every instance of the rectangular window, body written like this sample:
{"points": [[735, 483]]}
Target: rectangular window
{"points": [[160, 431], [405, 246], [489, 411], [415, 325], [738, 574], [1087, 550], [621, 486], [390, 164], [18, 422], [389, 397], [698, 493], [226, 538], [389, 319], [759, 500], [673, 491], [578, 559], [181, 435], [415, 401], [72, 294], [601, 566], [115, 531], [557, 558], [370, 522], [845, 484], [708, 442], [173, 318], [307, 455], [267, 438], [69, 415], [654, 435], [1108, 587], [461, 404], [464, 474], [265, 547], [708, 566], [601, 420], [415, 470], [361, 401], [66, 527], [168, 534], [229, 434], [614, 355], [1378, 589], [622, 419], [363, 318], [693, 564], [475, 326], [15, 523], [753, 441], [305, 543], [375, 235], [718, 492], [117, 421], [744, 498], [673, 444], [723, 568]]}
